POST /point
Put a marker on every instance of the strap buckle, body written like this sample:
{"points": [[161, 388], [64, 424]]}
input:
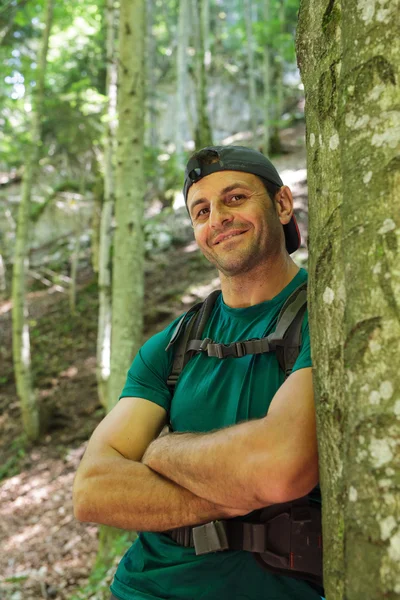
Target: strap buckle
{"points": [[204, 344], [210, 537]]}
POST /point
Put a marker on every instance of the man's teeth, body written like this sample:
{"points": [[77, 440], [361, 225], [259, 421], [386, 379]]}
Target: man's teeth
{"points": [[229, 237]]}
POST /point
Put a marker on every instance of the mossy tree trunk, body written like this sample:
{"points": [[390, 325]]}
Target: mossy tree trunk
{"points": [[103, 363], [267, 79], [251, 73], [20, 326], [127, 290], [203, 129], [181, 76], [128, 258], [350, 68]]}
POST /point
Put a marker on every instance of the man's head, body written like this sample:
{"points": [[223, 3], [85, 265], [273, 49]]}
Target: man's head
{"points": [[216, 159]]}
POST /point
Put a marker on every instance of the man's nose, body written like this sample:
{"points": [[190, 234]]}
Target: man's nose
{"points": [[219, 215]]}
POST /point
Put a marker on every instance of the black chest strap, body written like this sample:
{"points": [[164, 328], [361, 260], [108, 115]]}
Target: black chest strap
{"points": [[285, 341]]}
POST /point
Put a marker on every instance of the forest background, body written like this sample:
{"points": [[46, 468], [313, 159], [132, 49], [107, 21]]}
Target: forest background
{"points": [[254, 97], [212, 72]]}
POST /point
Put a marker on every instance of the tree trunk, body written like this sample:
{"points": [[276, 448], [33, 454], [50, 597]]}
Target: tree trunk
{"points": [[349, 74], [248, 15], [181, 128], [151, 61], [74, 272], [267, 86], [203, 129], [98, 195], [127, 291], [3, 279], [21, 342], [104, 328]]}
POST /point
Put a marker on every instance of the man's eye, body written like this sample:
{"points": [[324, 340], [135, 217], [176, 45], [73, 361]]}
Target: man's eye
{"points": [[237, 197], [201, 213]]}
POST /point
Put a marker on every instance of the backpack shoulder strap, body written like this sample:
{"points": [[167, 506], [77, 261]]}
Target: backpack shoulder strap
{"points": [[286, 339], [187, 329]]}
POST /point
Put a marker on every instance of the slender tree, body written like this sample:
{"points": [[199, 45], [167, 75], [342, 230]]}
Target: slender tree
{"points": [[181, 77], [267, 80], [203, 128], [151, 76], [127, 291], [248, 15], [104, 328], [21, 341], [350, 74]]}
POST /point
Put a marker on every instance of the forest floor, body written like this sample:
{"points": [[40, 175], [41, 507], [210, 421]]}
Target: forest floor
{"points": [[46, 553]]}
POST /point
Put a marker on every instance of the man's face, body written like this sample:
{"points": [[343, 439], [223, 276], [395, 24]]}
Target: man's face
{"points": [[233, 203]]}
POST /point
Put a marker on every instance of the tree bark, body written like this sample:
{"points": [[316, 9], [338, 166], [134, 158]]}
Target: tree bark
{"points": [[181, 77], [203, 128], [20, 327], [127, 292], [267, 86], [350, 73], [151, 77], [248, 15], [103, 364]]}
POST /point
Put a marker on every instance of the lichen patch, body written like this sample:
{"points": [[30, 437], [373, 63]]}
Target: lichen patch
{"points": [[394, 549], [387, 525], [380, 452], [386, 390], [367, 177], [367, 9], [329, 295], [397, 408], [353, 494], [388, 225], [374, 397], [334, 142]]}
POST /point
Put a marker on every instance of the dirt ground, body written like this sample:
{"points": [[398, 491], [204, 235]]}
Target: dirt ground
{"points": [[46, 553]]}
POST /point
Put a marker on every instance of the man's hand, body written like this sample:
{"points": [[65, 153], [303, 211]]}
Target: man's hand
{"points": [[252, 464]]}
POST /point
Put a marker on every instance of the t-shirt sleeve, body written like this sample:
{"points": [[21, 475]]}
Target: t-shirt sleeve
{"points": [[304, 358], [148, 373]]}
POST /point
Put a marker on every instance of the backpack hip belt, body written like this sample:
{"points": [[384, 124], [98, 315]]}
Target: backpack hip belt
{"points": [[285, 538]]}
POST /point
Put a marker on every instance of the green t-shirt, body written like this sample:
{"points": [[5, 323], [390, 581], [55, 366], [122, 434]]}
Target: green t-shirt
{"points": [[210, 394]]}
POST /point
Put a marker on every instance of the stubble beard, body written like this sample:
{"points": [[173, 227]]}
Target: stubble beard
{"points": [[243, 260]]}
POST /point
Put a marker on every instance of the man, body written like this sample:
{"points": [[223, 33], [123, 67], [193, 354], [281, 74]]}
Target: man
{"points": [[244, 438]]}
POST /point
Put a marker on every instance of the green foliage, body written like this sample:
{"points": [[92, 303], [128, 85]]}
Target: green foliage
{"points": [[12, 466]]}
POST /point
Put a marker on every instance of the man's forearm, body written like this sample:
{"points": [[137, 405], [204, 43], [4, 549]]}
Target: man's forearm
{"points": [[127, 494], [211, 465], [252, 464]]}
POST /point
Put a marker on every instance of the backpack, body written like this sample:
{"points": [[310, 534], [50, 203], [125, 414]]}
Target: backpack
{"points": [[285, 341], [288, 527]]}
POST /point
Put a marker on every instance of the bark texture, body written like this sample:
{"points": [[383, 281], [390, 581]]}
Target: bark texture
{"points": [[104, 329], [181, 77], [267, 85], [350, 69], [127, 294], [203, 128], [20, 327], [251, 74]]}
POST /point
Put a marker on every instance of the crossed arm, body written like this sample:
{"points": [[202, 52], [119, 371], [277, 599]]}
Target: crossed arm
{"points": [[254, 463], [127, 480]]}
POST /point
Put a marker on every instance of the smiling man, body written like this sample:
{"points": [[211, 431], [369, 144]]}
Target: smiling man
{"points": [[243, 419]]}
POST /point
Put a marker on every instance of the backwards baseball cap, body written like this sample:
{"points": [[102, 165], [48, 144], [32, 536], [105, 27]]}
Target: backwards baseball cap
{"points": [[239, 158]]}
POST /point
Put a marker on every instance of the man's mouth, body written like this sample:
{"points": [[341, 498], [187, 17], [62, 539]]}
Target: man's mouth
{"points": [[224, 237]]}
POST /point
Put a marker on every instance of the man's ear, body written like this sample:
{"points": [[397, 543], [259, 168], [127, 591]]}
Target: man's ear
{"points": [[284, 204]]}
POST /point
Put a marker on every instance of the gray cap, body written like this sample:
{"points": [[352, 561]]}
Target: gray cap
{"points": [[247, 160]]}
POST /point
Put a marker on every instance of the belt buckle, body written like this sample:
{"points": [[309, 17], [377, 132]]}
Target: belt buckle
{"points": [[210, 537]]}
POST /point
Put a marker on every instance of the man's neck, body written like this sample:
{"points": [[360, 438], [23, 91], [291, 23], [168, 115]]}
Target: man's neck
{"points": [[258, 285]]}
